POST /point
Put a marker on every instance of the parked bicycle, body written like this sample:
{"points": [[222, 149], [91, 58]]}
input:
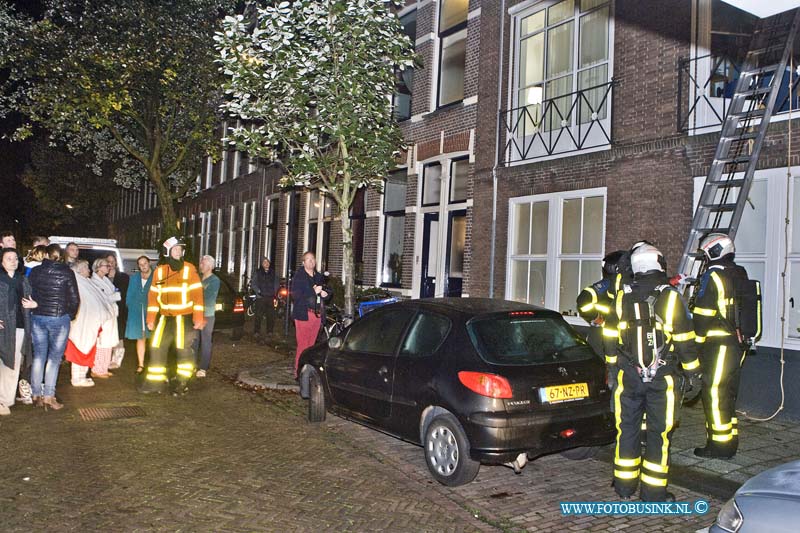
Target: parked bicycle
{"points": [[335, 321]]}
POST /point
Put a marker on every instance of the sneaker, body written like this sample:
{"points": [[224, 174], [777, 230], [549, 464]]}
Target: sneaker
{"points": [[4, 410], [113, 366], [25, 393], [200, 373], [83, 383]]}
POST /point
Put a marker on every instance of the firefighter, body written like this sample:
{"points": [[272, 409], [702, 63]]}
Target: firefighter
{"points": [[655, 363], [175, 298], [722, 351], [596, 305]]}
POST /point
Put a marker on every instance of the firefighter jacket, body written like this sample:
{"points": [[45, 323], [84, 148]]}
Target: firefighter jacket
{"points": [[714, 303], [654, 326], [174, 293], [596, 300]]}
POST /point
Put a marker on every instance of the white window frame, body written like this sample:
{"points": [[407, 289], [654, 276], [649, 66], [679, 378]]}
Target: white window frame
{"points": [[218, 247], [271, 233], [553, 257], [232, 240], [595, 139], [773, 254], [321, 220]]}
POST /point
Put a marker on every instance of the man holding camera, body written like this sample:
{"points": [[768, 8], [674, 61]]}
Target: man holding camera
{"points": [[308, 297]]}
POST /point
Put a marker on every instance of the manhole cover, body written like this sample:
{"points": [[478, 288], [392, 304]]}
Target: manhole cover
{"points": [[111, 413]]}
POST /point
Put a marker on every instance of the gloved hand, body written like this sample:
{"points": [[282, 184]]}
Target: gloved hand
{"points": [[692, 386], [679, 280]]}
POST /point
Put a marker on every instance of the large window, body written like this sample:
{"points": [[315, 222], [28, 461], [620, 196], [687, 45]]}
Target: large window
{"points": [[562, 48], [404, 85], [394, 212], [271, 234], [453, 50], [555, 247], [320, 216]]}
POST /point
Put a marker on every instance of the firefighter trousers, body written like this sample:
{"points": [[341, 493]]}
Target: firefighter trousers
{"points": [[171, 330], [721, 361], [660, 400]]}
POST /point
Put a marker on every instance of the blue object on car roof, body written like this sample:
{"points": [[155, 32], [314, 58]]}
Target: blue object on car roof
{"points": [[370, 305]]}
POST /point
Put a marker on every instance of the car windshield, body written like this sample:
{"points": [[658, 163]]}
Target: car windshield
{"points": [[526, 339]]}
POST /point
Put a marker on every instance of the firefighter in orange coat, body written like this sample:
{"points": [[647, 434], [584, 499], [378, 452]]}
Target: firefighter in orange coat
{"points": [[175, 299]]}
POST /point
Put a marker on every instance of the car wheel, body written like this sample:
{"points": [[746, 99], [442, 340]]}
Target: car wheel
{"points": [[447, 452], [316, 398], [579, 454]]}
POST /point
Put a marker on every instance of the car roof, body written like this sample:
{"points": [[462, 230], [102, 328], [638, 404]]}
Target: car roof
{"points": [[476, 306]]}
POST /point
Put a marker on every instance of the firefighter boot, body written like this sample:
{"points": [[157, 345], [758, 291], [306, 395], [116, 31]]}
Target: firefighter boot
{"points": [[152, 387], [712, 450]]}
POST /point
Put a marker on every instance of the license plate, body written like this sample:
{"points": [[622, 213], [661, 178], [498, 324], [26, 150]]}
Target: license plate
{"points": [[564, 393]]}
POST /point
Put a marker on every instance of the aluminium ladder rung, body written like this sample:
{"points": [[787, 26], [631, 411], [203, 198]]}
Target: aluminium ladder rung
{"points": [[719, 208]]}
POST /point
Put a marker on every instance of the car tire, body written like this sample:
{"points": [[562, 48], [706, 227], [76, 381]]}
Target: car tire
{"points": [[579, 454], [316, 398], [446, 451]]}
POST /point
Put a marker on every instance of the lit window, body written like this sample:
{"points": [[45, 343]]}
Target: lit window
{"points": [[453, 52]]}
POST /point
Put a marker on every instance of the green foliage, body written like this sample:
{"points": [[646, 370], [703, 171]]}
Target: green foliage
{"points": [[130, 82]]}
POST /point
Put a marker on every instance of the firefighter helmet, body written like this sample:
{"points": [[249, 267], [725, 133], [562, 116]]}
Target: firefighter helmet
{"points": [[717, 245], [646, 258], [611, 262], [170, 243]]}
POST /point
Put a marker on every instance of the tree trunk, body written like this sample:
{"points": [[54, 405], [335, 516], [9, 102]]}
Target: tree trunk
{"points": [[168, 217], [347, 262]]}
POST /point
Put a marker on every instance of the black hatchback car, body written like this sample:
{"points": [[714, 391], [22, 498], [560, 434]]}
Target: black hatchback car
{"points": [[471, 380]]}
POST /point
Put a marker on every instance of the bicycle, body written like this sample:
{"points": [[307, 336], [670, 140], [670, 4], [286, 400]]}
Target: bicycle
{"points": [[335, 321]]}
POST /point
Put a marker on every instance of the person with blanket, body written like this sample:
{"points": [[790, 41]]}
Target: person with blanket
{"points": [[94, 311], [109, 337]]}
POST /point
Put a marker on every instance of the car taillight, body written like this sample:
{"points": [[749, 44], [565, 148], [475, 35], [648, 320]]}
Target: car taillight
{"points": [[238, 306], [490, 385], [283, 292]]}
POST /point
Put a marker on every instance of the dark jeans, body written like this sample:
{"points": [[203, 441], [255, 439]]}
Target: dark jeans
{"points": [[49, 341], [264, 311], [202, 344]]}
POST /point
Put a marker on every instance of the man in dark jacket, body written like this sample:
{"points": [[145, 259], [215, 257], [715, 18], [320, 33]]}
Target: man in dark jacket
{"points": [[121, 281], [55, 289], [264, 285]]}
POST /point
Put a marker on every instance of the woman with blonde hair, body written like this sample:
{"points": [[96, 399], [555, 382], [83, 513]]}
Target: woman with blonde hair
{"points": [[109, 334]]}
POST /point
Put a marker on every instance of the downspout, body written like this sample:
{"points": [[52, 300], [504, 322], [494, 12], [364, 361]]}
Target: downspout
{"points": [[497, 146]]}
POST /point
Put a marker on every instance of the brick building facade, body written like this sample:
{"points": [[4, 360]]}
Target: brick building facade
{"points": [[542, 134]]}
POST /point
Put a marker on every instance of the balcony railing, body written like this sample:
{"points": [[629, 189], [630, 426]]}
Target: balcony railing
{"points": [[705, 87], [557, 126]]}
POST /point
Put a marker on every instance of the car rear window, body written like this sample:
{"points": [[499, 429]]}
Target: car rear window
{"points": [[526, 339]]}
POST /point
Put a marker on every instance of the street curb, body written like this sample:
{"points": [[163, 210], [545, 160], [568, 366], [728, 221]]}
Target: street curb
{"points": [[245, 378]]}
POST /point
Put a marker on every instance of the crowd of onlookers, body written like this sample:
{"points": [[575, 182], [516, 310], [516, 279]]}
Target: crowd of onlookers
{"points": [[54, 305]]}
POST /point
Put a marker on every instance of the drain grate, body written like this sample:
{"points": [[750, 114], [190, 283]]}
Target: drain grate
{"points": [[111, 413]]}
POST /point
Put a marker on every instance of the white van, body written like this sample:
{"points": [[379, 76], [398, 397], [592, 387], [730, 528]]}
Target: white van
{"points": [[130, 255], [91, 248]]}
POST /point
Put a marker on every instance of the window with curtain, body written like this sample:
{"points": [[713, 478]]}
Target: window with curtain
{"points": [[404, 84], [555, 248], [563, 47], [453, 50], [394, 213]]}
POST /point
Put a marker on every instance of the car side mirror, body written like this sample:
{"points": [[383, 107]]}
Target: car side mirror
{"points": [[335, 343]]}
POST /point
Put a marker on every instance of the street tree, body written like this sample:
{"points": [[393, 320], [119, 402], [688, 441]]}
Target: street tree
{"points": [[311, 80], [132, 82]]}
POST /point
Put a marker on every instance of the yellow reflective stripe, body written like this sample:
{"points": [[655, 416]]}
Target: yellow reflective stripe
{"points": [[177, 306], [636, 461], [680, 337], [609, 332], [198, 308], [623, 324], [691, 365], [179, 332], [722, 428], [153, 308], [186, 272], [618, 301], [663, 469], [591, 291], [624, 474], [155, 288], [704, 312], [671, 301], [700, 340], [159, 333], [721, 300], [717, 333], [587, 307], [670, 421], [197, 285], [188, 366], [716, 416], [160, 272], [174, 289], [602, 308], [618, 413], [156, 377], [722, 438], [157, 369], [611, 359], [650, 480]]}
